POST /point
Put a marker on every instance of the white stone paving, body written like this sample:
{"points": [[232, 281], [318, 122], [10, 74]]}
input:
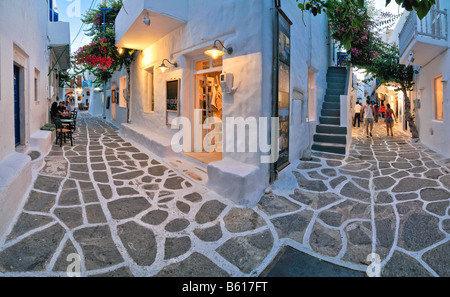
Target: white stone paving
{"points": [[122, 190]]}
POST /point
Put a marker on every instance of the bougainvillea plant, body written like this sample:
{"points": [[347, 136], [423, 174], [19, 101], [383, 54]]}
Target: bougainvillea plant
{"points": [[94, 55], [422, 7], [350, 26], [353, 29], [101, 57]]}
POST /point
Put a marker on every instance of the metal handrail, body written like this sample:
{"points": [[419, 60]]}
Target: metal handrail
{"points": [[342, 59]]}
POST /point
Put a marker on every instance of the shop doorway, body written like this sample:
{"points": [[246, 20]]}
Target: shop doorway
{"points": [[208, 99], [17, 105], [397, 113], [113, 102]]}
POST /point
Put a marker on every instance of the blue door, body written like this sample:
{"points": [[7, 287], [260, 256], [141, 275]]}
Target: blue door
{"points": [[17, 104]]}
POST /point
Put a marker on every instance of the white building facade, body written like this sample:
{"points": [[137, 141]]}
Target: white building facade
{"points": [[424, 44], [277, 68], [34, 46]]}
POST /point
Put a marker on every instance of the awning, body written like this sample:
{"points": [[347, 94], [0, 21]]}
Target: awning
{"points": [[59, 36], [62, 54]]}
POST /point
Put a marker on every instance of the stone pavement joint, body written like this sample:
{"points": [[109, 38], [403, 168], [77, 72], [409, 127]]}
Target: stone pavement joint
{"points": [[126, 212]]}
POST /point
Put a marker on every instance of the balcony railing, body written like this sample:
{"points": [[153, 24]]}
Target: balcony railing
{"points": [[434, 25]]}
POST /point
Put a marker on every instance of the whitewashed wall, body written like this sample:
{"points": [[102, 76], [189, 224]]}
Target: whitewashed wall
{"points": [[121, 112], [31, 39], [96, 104], [434, 134], [309, 49], [240, 24], [247, 27], [23, 40]]}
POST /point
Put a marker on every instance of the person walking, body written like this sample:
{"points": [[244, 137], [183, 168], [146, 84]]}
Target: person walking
{"points": [[390, 120], [358, 108], [383, 111], [368, 111], [377, 112]]}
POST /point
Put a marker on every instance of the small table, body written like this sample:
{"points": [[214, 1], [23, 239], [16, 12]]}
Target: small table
{"points": [[68, 122]]}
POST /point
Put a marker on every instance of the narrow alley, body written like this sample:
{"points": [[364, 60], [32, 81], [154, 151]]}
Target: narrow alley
{"points": [[125, 212]]}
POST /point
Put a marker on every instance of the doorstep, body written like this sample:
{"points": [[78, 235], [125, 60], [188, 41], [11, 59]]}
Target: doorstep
{"points": [[240, 182], [42, 141], [158, 145], [15, 180]]}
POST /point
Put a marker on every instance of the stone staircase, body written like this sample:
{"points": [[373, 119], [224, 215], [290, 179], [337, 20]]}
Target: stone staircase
{"points": [[330, 137]]}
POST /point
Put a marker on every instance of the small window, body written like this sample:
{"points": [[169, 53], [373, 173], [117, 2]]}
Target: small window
{"points": [[217, 62], [149, 103], [122, 92], [36, 98], [202, 65], [208, 64], [439, 98], [36, 85]]}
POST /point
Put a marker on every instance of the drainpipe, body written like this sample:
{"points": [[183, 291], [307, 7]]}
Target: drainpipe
{"points": [[128, 94], [310, 40], [104, 12], [307, 153], [276, 28], [104, 100]]}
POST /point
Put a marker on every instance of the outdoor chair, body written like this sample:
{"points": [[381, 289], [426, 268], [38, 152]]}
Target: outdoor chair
{"points": [[74, 118], [62, 133]]}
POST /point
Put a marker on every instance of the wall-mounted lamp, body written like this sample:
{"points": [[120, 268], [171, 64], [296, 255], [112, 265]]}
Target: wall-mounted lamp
{"points": [[120, 50], [216, 53], [163, 66], [146, 20], [411, 59]]}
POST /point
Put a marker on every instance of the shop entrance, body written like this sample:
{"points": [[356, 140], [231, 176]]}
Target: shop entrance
{"points": [[17, 105], [208, 100], [113, 102]]}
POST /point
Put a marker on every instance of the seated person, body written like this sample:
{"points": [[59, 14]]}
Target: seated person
{"points": [[63, 114], [54, 112], [68, 107]]}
